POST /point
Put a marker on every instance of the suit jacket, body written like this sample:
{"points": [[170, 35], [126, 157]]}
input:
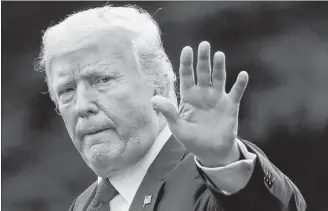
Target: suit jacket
{"points": [[176, 184]]}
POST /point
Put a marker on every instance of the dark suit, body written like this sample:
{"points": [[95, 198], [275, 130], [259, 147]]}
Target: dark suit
{"points": [[176, 184]]}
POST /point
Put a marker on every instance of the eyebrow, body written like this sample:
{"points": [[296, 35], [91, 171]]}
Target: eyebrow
{"points": [[96, 72], [102, 69]]}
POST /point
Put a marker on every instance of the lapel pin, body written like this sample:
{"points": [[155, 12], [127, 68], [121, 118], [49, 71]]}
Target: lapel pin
{"points": [[147, 200]]}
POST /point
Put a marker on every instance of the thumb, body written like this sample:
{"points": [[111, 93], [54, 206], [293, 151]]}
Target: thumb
{"points": [[166, 107]]}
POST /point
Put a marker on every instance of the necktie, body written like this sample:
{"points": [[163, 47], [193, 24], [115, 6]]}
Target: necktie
{"points": [[104, 194]]}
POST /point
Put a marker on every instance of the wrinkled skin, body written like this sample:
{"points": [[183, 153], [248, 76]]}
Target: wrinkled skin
{"points": [[105, 105]]}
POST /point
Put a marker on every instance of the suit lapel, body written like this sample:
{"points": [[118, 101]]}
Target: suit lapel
{"points": [[82, 202], [151, 187]]}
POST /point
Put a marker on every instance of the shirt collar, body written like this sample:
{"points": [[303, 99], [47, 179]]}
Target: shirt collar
{"points": [[127, 181]]}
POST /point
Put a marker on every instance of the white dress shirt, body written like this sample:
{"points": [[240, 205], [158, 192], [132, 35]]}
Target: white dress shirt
{"points": [[228, 179]]}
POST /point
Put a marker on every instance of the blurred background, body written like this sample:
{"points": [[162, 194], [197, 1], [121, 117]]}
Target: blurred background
{"points": [[282, 45]]}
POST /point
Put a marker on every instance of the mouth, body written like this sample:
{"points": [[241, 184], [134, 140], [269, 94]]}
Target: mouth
{"points": [[93, 132]]}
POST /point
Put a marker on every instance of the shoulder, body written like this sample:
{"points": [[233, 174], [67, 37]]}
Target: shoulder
{"points": [[192, 189], [185, 175]]}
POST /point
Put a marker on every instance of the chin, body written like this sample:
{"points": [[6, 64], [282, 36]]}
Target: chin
{"points": [[103, 172], [107, 158], [101, 158], [103, 167]]}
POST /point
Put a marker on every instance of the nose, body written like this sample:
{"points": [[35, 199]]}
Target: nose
{"points": [[85, 103]]}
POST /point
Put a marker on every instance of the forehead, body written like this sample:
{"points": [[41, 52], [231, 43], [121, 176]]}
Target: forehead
{"points": [[113, 56]]}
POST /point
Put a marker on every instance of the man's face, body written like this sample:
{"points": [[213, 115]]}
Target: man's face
{"points": [[105, 106]]}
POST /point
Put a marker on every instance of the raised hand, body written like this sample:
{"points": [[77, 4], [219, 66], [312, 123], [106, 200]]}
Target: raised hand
{"points": [[207, 121]]}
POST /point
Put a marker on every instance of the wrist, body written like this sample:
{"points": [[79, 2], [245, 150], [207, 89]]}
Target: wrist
{"points": [[223, 159]]}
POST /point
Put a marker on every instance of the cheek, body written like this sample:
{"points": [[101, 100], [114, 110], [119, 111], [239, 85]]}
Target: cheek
{"points": [[133, 115], [138, 113]]}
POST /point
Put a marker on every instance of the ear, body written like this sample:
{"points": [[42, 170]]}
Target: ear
{"points": [[157, 112], [160, 91]]}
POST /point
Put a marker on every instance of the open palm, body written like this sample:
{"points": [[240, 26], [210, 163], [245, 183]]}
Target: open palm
{"points": [[207, 121]]}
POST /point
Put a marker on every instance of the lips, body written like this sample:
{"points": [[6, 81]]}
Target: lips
{"points": [[92, 130], [95, 131], [93, 125]]}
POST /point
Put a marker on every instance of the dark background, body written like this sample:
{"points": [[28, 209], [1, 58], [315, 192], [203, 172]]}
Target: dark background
{"points": [[282, 45]]}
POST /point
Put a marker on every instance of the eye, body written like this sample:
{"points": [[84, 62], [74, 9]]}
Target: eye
{"points": [[104, 80], [66, 91]]}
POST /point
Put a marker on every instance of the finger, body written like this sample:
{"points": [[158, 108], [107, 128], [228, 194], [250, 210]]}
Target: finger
{"points": [[203, 64], [239, 87], [186, 69], [166, 107], [219, 72]]}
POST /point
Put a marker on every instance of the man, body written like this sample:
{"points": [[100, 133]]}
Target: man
{"points": [[113, 84]]}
